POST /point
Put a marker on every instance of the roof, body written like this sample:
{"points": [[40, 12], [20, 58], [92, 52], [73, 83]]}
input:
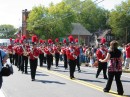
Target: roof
{"points": [[78, 29], [104, 34]]}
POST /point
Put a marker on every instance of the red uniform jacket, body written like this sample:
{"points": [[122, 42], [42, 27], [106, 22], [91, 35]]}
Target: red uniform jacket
{"points": [[10, 48], [77, 51], [48, 50], [56, 49], [101, 53], [20, 50], [40, 50], [71, 53], [63, 50], [34, 53], [128, 52]]}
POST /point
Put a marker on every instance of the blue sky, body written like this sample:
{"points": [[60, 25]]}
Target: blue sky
{"points": [[11, 10]]}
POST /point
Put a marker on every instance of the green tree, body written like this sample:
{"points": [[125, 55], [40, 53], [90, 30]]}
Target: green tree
{"points": [[7, 31], [119, 20], [92, 16], [49, 22]]}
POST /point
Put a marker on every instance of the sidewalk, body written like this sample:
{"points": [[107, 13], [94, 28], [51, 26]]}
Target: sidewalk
{"points": [[1, 94]]}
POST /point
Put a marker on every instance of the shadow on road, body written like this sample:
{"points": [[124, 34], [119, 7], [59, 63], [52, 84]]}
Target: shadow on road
{"points": [[46, 81], [38, 73], [125, 81], [41, 74], [61, 70], [88, 80]]}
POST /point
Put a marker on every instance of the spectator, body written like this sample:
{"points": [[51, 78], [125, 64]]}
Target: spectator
{"points": [[115, 67], [127, 60], [3, 58]]}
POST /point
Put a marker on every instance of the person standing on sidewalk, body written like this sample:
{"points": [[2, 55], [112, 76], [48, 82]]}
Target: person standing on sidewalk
{"points": [[115, 67], [127, 60], [3, 59]]}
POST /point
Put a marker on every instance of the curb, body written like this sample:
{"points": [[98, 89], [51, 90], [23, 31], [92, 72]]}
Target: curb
{"points": [[126, 71]]}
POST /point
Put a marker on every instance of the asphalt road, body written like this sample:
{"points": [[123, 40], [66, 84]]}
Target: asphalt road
{"points": [[56, 83]]}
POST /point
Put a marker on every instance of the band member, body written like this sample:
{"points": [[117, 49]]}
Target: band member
{"points": [[15, 49], [20, 55], [10, 52], [13, 54], [78, 52], [63, 51], [56, 49], [49, 51], [41, 51], [33, 56], [71, 56], [26, 48], [101, 54], [44, 58]]}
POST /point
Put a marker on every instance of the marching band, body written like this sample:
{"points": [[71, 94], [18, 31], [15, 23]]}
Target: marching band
{"points": [[21, 53]]}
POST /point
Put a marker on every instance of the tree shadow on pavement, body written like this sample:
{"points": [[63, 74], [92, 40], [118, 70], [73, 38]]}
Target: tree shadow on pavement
{"points": [[46, 81], [88, 80]]}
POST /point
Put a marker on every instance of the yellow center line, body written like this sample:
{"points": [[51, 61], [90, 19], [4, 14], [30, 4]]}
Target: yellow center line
{"points": [[113, 93]]}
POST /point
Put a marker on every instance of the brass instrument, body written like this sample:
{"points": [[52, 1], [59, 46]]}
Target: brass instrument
{"points": [[73, 51], [31, 51], [25, 53]]}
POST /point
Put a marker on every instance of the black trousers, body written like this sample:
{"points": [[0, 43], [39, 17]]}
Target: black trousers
{"points": [[77, 63], [57, 57], [65, 61], [41, 57], [24, 66], [33, 67], [1, 81], [102, 66], [11, 58], [16, 59], [20, 61], [51, 57], [49, 61], [117, 76], [72, 64], [44, 59]]}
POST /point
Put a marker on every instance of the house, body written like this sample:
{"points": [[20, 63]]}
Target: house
{"points": [[81, 33], [97, 36]]}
